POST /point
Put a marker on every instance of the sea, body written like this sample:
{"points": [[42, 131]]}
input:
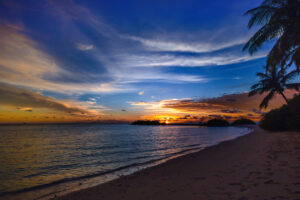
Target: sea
{"points": [[44, 161]]}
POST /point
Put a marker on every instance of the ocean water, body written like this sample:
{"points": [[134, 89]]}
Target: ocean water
{"points": [[35, 157]]}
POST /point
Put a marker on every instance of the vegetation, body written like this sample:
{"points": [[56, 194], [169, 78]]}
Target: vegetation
{"points": [[273, 81], [285, 118], [147, 122], [279, 19], [243, 121], [216, 122]]}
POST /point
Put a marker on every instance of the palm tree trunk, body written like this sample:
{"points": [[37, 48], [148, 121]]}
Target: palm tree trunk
{"points": [[287, 102]]}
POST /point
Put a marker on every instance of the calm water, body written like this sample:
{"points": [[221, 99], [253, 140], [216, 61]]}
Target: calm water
{"points": [[35, 155]]}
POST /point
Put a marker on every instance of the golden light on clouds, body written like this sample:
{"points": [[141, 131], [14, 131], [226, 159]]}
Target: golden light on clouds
{"points": [[230, 107], [19, 105], [26, 68]]}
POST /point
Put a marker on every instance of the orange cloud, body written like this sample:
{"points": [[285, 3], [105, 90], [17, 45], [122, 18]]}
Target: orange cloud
{"points": [[14, 99], [231, 107]]}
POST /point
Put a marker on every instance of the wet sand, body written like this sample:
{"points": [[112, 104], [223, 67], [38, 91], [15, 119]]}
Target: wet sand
{"points": [[261, 165]]}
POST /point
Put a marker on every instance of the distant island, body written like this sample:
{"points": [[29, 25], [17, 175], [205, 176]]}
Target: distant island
{"points": [[209, 123], [215, 123], [147, 122]]}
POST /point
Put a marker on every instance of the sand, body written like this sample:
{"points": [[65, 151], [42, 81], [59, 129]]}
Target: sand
{"points": [[261, 165]]}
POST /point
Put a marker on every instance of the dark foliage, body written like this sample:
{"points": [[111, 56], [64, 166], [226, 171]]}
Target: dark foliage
{"points": [[278, 20], [216, 122], [274, 81], [285, 118], [243, 121]]}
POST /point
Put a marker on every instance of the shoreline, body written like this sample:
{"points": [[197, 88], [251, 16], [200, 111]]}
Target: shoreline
{"points": [[259, 165], [47, 191]]}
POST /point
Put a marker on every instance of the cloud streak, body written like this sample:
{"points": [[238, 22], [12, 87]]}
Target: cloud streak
{"points": [[195, 47], [26, 100], [84, 47], [181, 60]]}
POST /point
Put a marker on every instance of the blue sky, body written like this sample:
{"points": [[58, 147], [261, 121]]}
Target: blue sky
{"points": [[105, 55]]}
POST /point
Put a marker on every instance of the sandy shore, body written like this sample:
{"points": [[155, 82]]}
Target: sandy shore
{"points": [[261, 165]]}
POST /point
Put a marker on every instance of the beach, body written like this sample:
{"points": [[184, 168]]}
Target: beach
{"points": [[260, 165]]}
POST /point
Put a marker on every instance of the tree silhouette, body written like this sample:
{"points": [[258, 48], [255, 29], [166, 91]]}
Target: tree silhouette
{"points": [[274, 81], [279, 19]]}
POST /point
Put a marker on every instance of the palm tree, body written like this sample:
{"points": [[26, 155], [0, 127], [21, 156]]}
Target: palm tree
{"points": [[273, 81], [279, 19]]}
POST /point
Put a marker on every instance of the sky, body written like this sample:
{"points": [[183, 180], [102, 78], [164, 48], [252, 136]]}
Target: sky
{"points": [[120, 61]]}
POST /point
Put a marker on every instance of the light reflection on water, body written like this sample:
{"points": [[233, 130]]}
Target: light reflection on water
{"points": [[34, 155]]}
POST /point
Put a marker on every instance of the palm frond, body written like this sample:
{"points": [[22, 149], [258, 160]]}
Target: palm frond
{"points": [[262, 75], [289, 76], [267, 32], [295, 86], [260, 15], [265, 101]]}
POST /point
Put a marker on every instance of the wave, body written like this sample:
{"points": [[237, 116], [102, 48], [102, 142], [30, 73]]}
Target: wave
{"points": [[65, 180], [157, 159]]}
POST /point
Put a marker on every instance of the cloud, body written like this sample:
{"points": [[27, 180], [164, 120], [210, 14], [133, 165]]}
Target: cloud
{"points": [[84, 47], [70, 11], [23, 63], [196, 47], [231, 106], [230, 111], [232, 103], [141, 93], [93, 99], [190, 105], [181, 60], [25, 109], [139, 103], [139, 74], [26, 100]]}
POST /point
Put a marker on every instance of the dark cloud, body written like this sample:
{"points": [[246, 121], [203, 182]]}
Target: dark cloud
{"points": [[186, 117], [215, 116], [228, 117], [258, 111], [229, 103], [191, 105], [230, 111], [26, 100], [231, 100]]}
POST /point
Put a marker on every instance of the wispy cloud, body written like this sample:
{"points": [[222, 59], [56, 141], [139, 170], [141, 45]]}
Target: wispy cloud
{"points": [[181, 46], [25, 109], [84, 47], [87, 54], [70, 11], [26, 100], [23, 63], [154, 75], [168, 60]]}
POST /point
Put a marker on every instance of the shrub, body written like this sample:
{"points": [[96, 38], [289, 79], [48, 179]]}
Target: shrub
{"points": [[285, 118], [217, 122], [243, 121]]}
